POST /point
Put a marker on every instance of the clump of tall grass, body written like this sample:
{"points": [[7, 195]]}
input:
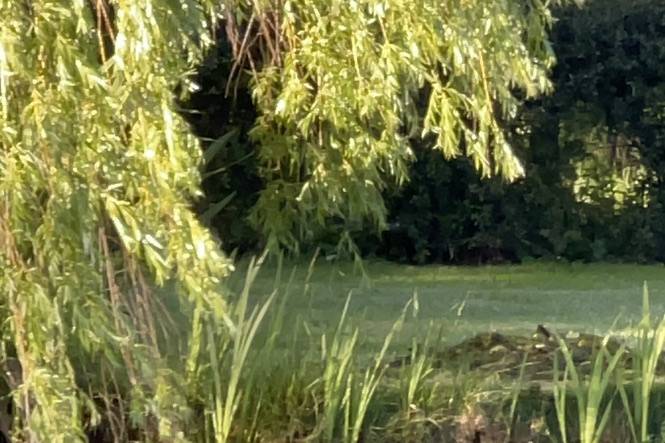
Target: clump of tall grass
{"points": [[595, 395], [650, 340], [277, 380], [272, 378], [228, 360], [594, 405]]}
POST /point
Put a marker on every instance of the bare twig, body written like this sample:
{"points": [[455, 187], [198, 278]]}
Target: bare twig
{"points": [[115, 295]]}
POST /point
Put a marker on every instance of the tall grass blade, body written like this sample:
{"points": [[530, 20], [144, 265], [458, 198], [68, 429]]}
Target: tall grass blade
{"points": [[593, 411], [649, 347], [560, 395], [226, 403], [373, 377]]}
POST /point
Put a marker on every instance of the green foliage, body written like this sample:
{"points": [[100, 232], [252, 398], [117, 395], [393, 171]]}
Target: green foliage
{"points": [[336, 86], [649, 347], [593, 407], [97, 172], [227, 367]]}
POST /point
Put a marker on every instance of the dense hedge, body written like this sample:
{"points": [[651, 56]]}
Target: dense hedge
{"points": [[594, 154]]}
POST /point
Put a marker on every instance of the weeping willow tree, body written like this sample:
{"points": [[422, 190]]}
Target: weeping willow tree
{"points": [[340, 84], [98, 171], [97, 174]]}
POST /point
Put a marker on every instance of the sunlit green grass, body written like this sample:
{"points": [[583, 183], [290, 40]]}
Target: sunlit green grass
{"points": [[463, 301]]}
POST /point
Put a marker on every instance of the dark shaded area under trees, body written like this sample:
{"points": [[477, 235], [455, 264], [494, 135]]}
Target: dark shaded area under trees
{"points": [[593, 151]]}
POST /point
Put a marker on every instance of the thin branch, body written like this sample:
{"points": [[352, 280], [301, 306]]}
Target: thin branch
{"points": [[241, 53], [115, 294]]}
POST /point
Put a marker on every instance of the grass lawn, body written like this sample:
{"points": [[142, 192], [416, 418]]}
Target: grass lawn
{"points": [[463, 301]]}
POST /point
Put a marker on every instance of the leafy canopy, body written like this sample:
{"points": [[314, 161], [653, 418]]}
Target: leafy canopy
{"points": [[339, 86], [97, 172]]}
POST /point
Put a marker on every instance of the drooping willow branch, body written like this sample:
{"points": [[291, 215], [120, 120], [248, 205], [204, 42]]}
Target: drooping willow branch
{"points": [[335, 84]]}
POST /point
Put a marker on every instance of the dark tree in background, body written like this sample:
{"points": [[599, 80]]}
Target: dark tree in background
{"points": [[222, 115]]}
